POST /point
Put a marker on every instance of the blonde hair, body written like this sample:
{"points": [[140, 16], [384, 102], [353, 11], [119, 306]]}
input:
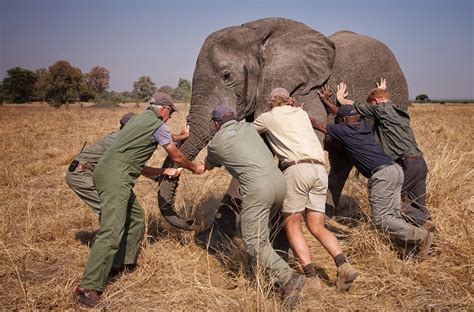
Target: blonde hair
{"points": [[279, 100], [378, 93]]}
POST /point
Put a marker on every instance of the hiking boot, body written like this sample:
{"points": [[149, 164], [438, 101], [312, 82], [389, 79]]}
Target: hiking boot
{"points": [[87, 297], [429, 226], [346, 274], [291, 291], [310, 271], [425, 244], [117, 270]]}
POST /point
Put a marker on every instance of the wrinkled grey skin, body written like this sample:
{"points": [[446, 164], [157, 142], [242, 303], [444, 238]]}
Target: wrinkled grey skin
{"points": [[242, 64]]}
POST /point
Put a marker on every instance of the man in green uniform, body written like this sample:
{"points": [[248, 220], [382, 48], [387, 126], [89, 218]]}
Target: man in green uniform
{"points": [[122, 217], [239, 148], [398, 141]]}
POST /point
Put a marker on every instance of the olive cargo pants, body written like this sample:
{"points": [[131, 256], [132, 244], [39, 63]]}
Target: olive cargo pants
{"points": [[259, 205], [121, 221], [81, 183]]}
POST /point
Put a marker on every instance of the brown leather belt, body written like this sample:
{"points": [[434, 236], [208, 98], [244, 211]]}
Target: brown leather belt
{"points": [[286, 164], [378, 168], [419, 157]]}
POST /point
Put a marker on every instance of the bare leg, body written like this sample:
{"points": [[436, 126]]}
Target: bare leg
{"points": [[315, 222], [295, 235]]}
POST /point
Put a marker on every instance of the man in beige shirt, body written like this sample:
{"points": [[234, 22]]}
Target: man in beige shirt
{"points": [[292, 138]]}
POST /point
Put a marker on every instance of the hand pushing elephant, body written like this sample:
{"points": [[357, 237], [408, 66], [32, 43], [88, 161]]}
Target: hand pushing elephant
{"points": [[242, 64]]}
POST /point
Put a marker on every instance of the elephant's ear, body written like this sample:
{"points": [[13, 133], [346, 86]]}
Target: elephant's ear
{"points": [[298, 59]]}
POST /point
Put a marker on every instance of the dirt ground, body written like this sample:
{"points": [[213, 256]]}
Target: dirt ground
{"points": [[46, 230]]}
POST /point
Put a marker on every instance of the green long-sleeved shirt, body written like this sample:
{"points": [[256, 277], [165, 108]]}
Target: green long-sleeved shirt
{"points": [[392, 125]]}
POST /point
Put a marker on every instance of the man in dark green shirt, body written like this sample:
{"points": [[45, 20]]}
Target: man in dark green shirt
{"points": [[392, 125]]}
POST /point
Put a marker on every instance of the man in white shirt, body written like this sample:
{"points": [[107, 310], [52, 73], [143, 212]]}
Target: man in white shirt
{"points": [[292, 138]]}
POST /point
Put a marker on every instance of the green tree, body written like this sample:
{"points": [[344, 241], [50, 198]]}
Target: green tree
{"points": [[63, 83], [1, 93], [42, 81], [143, 88], [97, 81], [182, 93], [19, 85]]}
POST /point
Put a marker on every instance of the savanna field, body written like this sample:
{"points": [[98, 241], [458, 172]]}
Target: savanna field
{"points": [[46, 230]]}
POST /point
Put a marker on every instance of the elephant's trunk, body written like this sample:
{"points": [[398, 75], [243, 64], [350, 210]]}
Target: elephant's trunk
{"points": [[200, 134]]}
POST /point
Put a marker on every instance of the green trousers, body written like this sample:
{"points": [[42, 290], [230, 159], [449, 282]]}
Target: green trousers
{"points": [[81, 183], [260, 204], [121, 221]]}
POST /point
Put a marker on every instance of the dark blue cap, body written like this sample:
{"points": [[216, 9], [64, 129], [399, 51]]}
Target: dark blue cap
{"points": [[346, 110], [223, 112]]}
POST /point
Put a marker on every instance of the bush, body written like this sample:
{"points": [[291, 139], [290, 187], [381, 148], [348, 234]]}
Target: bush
{"points": [[422, 98]]}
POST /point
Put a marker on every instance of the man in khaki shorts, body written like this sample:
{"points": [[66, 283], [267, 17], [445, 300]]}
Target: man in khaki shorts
{"points": [[297, 147]]}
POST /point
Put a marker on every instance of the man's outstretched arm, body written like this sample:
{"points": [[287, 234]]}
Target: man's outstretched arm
{"points": [[321, 126], [325, 96], [179, 158]]}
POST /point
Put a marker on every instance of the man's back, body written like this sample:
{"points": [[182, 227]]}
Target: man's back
{"points": [[93, 152], [359, 142], [290, 133], [392, 125], [239, 148]]}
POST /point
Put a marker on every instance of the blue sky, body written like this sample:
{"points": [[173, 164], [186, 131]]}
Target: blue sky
{"points": [[432, 39]]}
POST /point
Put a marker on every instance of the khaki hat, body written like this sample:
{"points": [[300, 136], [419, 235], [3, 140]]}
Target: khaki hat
{"points": [[163, 99]]}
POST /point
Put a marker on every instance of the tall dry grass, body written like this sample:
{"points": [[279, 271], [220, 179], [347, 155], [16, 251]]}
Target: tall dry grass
{"points": [[45, 229]]}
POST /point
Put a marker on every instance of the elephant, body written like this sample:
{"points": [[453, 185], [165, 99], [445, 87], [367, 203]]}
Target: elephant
{"points": [[242, 64]]}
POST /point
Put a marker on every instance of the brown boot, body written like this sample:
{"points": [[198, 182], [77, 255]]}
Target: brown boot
{"points": [[429, 226], [291, 291], [425, 244], [87, 297], [346, 274], [310, 270]]}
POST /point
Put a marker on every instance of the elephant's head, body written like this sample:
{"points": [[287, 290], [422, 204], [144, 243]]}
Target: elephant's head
{"points": [[242, 64]]}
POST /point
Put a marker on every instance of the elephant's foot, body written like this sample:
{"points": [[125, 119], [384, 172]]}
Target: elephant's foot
{"points": [[219, 235]]}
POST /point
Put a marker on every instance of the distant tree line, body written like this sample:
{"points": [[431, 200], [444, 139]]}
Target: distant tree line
{"points": [[63, 83]]}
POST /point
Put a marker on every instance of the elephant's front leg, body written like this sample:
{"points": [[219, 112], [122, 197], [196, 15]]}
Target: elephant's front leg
{"points": [[224, 227], [341, 166]]}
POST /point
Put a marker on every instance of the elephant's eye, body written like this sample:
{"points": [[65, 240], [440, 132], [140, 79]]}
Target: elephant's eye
{"points": [[226, 76]]}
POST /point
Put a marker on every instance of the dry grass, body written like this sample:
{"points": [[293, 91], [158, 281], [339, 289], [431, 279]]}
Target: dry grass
{"points": [[45, 227]]}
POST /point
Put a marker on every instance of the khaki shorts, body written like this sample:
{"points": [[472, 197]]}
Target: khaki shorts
{"points": [[307, 186]]}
